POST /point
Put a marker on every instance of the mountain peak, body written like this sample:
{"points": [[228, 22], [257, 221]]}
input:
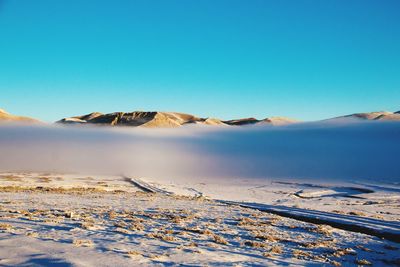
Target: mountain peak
{"points": [[7, 117], [279, 120], [3, 111], [240, 122]]}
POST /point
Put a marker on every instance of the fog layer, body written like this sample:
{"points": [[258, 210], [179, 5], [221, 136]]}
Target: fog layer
{"points": [[329, 151]]}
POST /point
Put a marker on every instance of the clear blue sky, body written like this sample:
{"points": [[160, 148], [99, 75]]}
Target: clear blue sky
{"points": [[228, 59]]}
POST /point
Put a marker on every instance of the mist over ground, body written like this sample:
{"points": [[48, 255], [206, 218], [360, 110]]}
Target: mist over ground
{"points": [[324, 151]]}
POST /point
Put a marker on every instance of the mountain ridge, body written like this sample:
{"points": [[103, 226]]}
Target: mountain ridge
{"points": [[159, 119], [375, 116], [163, 119]]}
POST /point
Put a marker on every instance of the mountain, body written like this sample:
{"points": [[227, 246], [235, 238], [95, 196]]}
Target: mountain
{"points": [[7, 117], [240, 122], [378, 115], [137, 118], [154, 119], [278, 121], [163, 119], [271, 120], [389, 117]]}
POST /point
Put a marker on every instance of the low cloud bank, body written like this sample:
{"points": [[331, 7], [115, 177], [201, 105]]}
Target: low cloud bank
{"points": [[326, 151]]}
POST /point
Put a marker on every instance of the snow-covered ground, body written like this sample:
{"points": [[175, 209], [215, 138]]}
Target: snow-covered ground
{"points": [[88, 220], [381, 201], [305, 194]]}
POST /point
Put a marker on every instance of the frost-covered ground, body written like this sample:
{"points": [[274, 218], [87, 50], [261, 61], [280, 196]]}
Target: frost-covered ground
{"points": [[88, 220], [374, 200], [304, 194]]}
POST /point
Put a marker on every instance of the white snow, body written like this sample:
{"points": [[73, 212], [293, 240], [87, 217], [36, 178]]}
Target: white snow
{"points": [[200, 196]]}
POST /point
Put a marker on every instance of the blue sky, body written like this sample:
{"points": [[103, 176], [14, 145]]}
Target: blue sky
{"points": [[228, 59]]}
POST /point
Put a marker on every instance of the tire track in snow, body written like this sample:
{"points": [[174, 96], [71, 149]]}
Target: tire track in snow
{"points": [[389, 230], [146, 187]]}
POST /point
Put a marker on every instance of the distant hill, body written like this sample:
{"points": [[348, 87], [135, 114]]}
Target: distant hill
{"points": [[7, 117], [271, 120], [379, 116], [157, 119], [136, 118], [278, 121], [240, 122], [163, 119]]}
